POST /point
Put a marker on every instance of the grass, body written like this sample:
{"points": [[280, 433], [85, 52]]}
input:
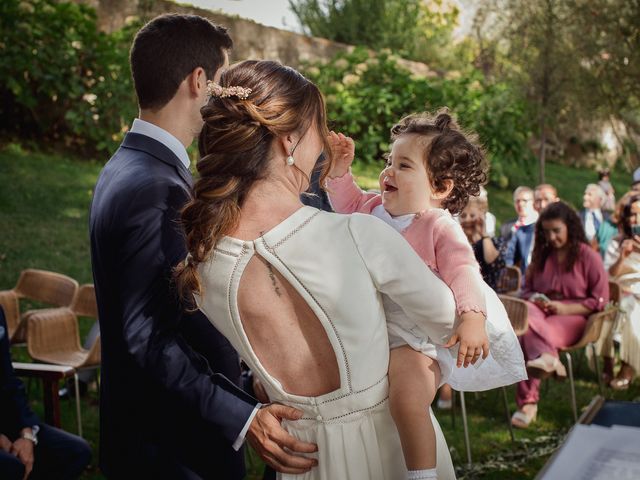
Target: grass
{"points": [[44, 206]]}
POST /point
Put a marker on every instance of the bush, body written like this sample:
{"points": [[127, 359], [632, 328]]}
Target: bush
{"points": [[63, 81], [366, 94]]}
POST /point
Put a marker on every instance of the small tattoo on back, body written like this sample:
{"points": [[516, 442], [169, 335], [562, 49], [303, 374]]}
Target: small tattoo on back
{"points": [[272, 275]]}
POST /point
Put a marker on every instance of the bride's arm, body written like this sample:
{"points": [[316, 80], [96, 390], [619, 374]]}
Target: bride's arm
{"points": [[400, 273]]}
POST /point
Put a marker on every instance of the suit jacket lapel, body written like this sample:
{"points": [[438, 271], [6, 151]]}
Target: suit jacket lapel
{"points": [[136, 141]]}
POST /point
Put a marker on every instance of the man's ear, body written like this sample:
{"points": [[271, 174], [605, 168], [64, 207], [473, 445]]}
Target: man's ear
{"points": [[444, 191], [197, 82]]}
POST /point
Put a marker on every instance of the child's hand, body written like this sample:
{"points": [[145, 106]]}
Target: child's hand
{"points": [[343, 150], [472, 337]]}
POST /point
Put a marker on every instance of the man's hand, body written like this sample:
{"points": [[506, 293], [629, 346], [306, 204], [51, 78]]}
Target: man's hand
{"points": [[343, 150], [5, 443], [269, 440], [23, 449]]}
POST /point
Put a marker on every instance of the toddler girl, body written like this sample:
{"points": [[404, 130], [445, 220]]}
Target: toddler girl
{"points": [[430, 173]]}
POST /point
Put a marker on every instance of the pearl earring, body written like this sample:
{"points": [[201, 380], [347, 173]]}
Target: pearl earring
{"points": [[290, 160]]}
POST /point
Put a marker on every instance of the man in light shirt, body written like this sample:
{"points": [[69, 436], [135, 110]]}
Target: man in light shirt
{"points": [[597, 224]]}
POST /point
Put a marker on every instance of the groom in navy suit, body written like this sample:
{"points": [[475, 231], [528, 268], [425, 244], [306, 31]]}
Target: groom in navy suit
{"points": [[169, 404]]}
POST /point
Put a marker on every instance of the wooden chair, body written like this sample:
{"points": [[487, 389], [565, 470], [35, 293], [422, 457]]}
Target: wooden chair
{"points": [[591, 335], [53, 337], [588, 340], [510, 281], [518, 313], [39, 285]]}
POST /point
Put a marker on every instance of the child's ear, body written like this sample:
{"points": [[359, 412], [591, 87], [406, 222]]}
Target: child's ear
{"points": [[444, 191]]}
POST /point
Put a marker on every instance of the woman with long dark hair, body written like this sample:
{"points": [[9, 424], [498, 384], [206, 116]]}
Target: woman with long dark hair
{"points": [[565, 283]]}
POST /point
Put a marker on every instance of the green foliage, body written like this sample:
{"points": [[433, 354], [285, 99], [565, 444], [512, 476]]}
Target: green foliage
{"points": [[61, 79], [367, 94], [411, 28]]}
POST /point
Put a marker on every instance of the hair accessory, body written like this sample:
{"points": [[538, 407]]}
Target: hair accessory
{"points": [[215, 90], [188, 261], [290, 160]]}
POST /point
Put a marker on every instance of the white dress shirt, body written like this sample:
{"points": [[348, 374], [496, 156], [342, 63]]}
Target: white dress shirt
{"points": [[161, 135], [590, 229]]}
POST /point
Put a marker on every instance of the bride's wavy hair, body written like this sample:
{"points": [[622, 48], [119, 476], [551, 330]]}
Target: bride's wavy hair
{"points": [[235, 152]]}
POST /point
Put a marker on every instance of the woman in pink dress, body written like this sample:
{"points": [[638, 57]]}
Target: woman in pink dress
{"points": [[565, 283]]}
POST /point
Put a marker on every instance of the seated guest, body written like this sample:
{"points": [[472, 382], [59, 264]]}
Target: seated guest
{"points": [[623, 262], [523, 205], [29, 448], [543, 195], [489, 252], [604, 183], [520, 246], [489, 218], [565, 283], [597, 224]]}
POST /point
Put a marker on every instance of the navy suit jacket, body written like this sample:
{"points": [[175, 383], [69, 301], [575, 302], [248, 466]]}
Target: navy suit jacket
{"points": [[15, 413], [159, 392], [520, 246]]}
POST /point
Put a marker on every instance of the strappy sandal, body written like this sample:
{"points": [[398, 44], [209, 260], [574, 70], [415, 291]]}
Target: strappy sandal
{"points": [[522, 420]]}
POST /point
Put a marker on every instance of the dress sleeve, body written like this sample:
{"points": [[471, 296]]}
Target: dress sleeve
{"points": [[458, 266], [597, 281], [400, 273], [345, 196]]}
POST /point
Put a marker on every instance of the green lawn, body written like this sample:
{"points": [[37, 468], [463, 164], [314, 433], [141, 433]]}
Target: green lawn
{"points": [[44, 204]]}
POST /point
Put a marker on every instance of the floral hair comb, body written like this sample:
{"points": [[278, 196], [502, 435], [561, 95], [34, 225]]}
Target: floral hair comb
{"points": [[215, 90]]}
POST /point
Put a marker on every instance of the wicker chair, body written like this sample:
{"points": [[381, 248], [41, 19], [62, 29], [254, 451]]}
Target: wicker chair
{"points": [[510, 281], [53, 337], [517, 312], [39, 285], [591, 335]]}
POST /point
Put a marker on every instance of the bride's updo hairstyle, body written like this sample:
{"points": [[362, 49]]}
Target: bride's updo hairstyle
{"points": [[235, 152]]}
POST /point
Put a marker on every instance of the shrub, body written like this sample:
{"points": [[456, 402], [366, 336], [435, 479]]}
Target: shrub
{"points": [[63, 81], [366, 94]]}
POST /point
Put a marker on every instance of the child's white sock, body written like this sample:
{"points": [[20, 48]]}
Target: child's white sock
{"points": [[421, 474]]}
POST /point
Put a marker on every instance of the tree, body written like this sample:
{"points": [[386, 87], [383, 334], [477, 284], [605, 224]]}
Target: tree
{"points": [[607, 41], [534, 40], [410, 28]]}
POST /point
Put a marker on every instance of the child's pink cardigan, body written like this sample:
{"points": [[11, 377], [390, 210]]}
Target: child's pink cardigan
{"points": [[436, 237]]}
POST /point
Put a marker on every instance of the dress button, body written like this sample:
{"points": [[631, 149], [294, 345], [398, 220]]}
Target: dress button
{"points": [[319, 418]]}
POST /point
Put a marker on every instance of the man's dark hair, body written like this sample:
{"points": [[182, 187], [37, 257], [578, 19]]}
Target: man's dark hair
{"points": [[169, 48]]}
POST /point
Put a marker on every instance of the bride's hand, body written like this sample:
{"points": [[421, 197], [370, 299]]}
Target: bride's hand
{"points": [[343, 150], [472, 335], [269, 440]]}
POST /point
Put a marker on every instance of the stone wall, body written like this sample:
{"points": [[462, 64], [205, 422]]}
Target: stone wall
{"points": [[251, 40]]}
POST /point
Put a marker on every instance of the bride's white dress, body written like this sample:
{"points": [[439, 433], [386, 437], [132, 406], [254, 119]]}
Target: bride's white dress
{"points": [[340, 265]]}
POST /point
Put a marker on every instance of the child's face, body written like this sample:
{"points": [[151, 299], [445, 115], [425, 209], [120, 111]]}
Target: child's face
{"points": [[404, 183]]}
